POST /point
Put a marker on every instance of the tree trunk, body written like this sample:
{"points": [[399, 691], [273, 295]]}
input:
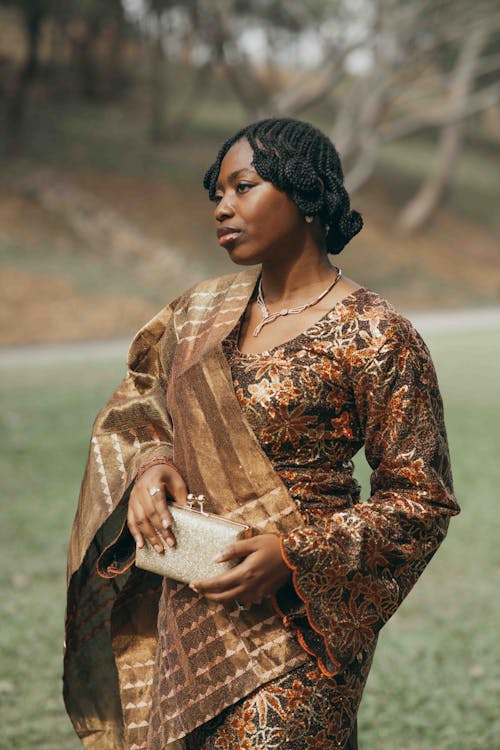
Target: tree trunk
{"points": [[158, 81], [422, 207], [87, 67], [199, 90], [115, 76], [246, 86], [33, 16]]}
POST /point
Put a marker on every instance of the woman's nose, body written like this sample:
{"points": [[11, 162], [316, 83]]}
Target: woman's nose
{"points": [[224, 209]]}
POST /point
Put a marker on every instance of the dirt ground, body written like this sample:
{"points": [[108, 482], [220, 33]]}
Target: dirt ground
{"points": [[34, 309]]}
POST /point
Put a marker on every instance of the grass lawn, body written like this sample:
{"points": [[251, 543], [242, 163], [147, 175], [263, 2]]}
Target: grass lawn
{"points": [[436, 673]]}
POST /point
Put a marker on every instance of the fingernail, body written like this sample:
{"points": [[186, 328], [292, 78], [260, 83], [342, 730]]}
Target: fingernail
{"points": [[165, 524], [218, 559], [158, 548], [193, 588], [170, 542], [139, 542]]}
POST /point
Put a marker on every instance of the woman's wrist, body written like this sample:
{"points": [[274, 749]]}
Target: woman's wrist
{"points": [[156, 460]]}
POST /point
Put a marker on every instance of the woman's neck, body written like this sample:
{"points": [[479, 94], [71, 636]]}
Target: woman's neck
{"points": [[302, 278]]}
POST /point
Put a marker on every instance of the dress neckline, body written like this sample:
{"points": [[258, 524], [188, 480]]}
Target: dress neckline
{"points": [[235, 335]]}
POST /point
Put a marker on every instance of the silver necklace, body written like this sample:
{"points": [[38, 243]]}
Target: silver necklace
{"points": [[268, 317]]}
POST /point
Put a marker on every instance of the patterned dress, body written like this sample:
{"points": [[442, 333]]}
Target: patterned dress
{"points": [[306, 401]]}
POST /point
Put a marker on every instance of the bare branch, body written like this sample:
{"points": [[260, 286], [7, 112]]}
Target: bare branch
{"points": [[316, 83], [425, 202], [478, 102]]}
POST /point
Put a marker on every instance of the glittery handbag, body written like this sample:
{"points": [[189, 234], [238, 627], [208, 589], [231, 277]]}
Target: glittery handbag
{"points": [[200, 537]]}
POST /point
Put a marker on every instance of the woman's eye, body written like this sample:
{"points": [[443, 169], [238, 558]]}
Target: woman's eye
{"points": [[243, 187]]}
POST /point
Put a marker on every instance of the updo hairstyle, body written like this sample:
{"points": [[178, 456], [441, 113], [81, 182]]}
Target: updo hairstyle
{"points": [[302, 162]]}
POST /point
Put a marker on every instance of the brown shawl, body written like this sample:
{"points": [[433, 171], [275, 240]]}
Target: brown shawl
{"points": [[112, 622]]}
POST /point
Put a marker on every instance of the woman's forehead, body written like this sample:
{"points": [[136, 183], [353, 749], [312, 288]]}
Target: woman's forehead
{"points": [[240, 154]]}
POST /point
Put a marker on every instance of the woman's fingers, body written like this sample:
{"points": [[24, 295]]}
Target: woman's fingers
{"points": [[134, 529], [221, 589], [145, 519], [175, 486], [230, 578], [149, 517], [237, 550], [161, 518], [219, 584], [262, 572]]}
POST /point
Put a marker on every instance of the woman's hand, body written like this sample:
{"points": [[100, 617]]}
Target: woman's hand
{"points": [[148, 516], [260, 573]]}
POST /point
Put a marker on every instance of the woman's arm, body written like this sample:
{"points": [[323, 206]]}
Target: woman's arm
{"points": [[353, 575], [133, 445]]}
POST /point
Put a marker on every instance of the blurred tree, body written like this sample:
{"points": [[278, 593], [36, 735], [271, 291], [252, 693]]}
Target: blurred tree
{"points": [[425, 56], [32, 13], [427, 199], [380, 70], [385, 69], [88, 25], [158, 124], [95, 29], [258, 82], [179, 24]]}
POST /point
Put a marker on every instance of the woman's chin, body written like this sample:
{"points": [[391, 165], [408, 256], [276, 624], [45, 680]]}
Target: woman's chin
{"points": [[242, 258]]}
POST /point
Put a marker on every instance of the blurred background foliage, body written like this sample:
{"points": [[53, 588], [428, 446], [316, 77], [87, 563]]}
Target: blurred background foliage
{"points": [[113, 109]]}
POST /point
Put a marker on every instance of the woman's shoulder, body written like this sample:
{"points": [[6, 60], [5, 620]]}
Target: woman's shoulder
{"points": [[376, 323]]}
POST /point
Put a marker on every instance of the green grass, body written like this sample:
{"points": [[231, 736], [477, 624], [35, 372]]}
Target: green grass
{"points": [[436, 673]]}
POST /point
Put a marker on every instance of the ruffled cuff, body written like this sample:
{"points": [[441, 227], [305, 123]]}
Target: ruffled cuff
{"points": [[298, 604], [118, 556]]}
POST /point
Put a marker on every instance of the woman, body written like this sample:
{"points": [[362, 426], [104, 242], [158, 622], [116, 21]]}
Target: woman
{"points": [[257, 390]]}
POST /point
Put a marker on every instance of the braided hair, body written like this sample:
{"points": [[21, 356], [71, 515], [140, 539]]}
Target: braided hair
{"points": [[300, 160]]}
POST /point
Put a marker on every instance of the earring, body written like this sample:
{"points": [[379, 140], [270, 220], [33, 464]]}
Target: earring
{"points": [[327, 228], [309, 219]]}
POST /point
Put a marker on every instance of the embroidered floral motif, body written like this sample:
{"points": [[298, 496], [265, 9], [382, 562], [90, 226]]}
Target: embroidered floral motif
{"points": [[359, 375], [299, 711]]}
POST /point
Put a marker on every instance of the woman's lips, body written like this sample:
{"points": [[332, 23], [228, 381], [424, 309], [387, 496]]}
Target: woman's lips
{"points": [[228, 236]]}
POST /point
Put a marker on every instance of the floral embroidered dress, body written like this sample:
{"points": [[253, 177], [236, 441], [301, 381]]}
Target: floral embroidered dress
{"points": [[360, 375]]}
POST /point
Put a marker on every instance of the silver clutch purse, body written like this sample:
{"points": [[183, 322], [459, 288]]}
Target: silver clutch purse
{"points": [[200, 537]]}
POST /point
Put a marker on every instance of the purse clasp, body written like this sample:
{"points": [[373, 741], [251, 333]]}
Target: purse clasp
{"points": [[201, 499]]}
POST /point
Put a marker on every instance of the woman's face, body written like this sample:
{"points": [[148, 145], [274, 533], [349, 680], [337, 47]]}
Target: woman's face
{"points": [[256, 222]]}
